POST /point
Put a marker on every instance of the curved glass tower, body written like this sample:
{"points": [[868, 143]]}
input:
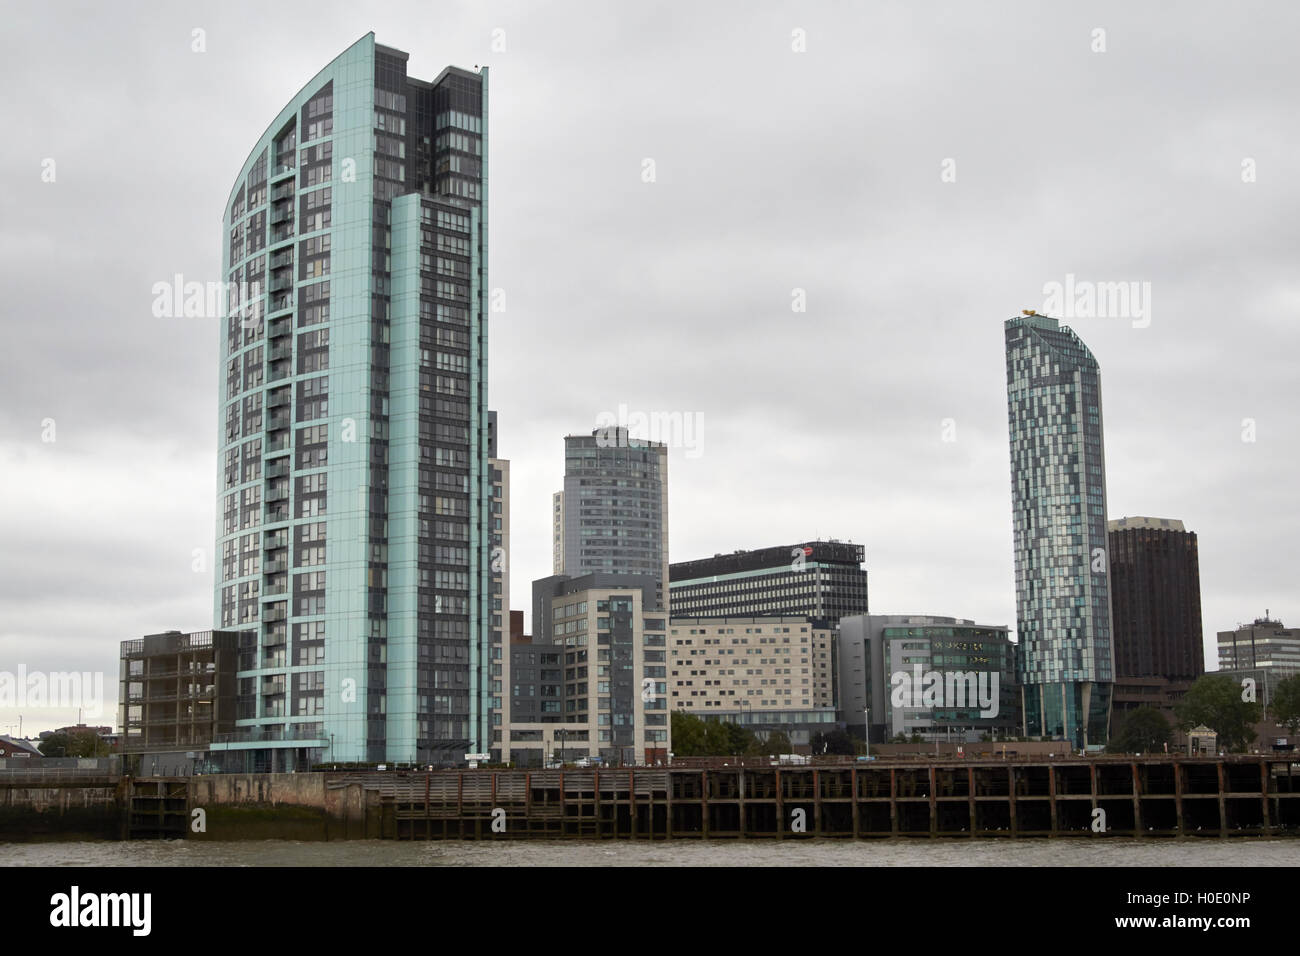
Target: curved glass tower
{"points": [[1058, 489], [353, 512]]}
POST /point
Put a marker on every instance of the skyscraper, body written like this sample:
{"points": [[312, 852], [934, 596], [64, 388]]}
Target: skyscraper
{"points": [[1058, 500], [1156, 598], [612, 517], [354, 493]]}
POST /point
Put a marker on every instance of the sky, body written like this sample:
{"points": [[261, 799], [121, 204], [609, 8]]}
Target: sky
{"points": [[794, 228]]}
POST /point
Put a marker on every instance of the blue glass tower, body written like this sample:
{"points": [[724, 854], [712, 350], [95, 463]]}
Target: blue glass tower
{"points": [[353, 489], [1058, 500]]}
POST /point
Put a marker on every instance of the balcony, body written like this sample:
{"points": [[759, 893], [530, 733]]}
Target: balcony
{"points": [[272, 688], [276, 515], [278, 539], [278, 371], [276, 422], [281, 352], [282, 191], [281, 169], [280, 587], [278, 444], [277, 493], [274, 612], [281, 259], [281, 213], [276, 567], [281, 283], [282, 233]]}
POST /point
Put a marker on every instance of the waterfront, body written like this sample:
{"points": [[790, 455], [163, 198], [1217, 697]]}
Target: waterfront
{"points": [[1109, 851]]}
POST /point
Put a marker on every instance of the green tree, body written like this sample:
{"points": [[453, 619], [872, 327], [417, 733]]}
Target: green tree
{"points": [[55, 745], [1284, 708], [1215, 700], [85, 743], [687, 734], [1143, 730], [778, 742], [738, 738]]}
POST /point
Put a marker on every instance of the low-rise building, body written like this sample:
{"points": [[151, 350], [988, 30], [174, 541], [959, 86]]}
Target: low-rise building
{"points": [[1263, 644], [177, 696], [18, 748], [942, 678]]}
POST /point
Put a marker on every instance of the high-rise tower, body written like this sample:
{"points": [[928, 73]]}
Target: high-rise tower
{"points": [[1058, 500], [354, 493], [1155, 599], [612, 517]]}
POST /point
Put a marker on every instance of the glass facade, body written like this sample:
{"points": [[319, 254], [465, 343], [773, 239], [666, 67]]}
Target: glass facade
{"points": [[354, 496], [1058, 486]]}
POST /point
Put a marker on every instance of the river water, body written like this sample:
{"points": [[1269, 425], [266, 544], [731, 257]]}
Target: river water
{"points": [[1081, 851]]}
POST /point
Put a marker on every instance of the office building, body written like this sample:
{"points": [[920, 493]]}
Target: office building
{"points": [[1155, 585], [1263, 644], [1058, 497], [943, 678], [354, 521], [612, 516], [764, 673], [819, 580]]}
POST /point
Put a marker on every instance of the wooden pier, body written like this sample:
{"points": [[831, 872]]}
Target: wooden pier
{"points": [[1136, 796]]}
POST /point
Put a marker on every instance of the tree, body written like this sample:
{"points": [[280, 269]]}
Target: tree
{"points": [[687, 734], [1216, 701], [1142, 730], [695, 737], [778, 742], [1285, 706], [738, 738], [83, 744], [55, 745]]}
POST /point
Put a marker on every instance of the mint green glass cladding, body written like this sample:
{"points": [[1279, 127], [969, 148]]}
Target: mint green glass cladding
{"points": [[353, 509], [1058, 487]]}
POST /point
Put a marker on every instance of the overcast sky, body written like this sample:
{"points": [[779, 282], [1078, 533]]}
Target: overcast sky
{"points": [[921, 171]]}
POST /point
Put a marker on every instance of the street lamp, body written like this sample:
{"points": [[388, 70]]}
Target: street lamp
{"points": [[741, 712]]}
